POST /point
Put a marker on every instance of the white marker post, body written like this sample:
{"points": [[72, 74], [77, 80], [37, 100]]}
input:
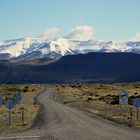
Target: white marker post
{"points": [[123, 98]]}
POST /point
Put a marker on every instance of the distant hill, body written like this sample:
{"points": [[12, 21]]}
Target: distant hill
{"points": [[14, 72], [91, 67]]}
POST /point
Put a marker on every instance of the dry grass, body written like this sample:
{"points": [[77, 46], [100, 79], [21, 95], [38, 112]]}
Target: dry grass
{"points": [[102, 100], [30, 107]]}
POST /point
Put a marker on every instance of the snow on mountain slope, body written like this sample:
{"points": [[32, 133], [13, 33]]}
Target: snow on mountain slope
{"points": [[16, 47], [115, 47], [30, 48], [59, 46]]}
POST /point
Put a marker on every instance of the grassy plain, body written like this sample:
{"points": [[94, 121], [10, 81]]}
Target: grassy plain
{"points": [[28, 92], [102, 100], [98, 99]]}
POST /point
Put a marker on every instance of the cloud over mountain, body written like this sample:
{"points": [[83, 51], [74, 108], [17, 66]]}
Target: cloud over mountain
{"points": [[82, 33], [50, 33], [49, 45], [136, 37]]}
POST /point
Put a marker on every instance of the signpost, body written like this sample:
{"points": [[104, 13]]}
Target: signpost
{"points": [[9, 103], [1, 100], [17, 97], [123, 98], [131, 118], [136, 103], [22, 115]]}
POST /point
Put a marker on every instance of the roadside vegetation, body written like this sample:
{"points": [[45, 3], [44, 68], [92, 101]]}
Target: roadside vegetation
{"points": [[102, 100], [31, 108]]}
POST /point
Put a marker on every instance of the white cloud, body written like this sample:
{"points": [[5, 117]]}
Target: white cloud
{"points": [[50, 33], [136, 37], [82, 33]]}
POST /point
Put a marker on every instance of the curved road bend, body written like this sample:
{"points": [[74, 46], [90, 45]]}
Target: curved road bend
{"points": [[60, 122]]}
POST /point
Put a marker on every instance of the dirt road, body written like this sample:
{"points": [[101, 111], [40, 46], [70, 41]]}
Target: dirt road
{"points": [[60, 122]]}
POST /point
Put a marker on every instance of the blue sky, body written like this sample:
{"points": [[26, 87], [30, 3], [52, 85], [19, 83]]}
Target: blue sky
{"points": [[111, 19]]}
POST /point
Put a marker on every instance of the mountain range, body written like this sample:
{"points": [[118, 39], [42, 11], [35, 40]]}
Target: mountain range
{"points": [[82, 68], [33, 48], [64, 60]]}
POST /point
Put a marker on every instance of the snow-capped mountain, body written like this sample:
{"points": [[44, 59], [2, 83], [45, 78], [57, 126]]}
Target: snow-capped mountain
{"points": [[30, 48]]}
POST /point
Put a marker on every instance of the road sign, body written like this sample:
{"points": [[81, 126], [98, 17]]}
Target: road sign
{"points": [[17, 97], [1, 100], [123, 98], [136, 102], [10, 103]]}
